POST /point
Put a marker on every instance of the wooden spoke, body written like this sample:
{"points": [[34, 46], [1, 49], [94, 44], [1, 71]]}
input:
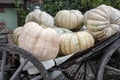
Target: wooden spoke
{"points": [[3, 65], [92, 68], [19, 70], [37, 78], [85, 69], [113, 70]]}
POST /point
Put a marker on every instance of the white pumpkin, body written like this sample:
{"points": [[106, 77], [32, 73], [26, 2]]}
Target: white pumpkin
{"points": [[62, 31], [78, 41], [40, 17], [70, 19], [43, 43], [102, 22], [17, 31]]}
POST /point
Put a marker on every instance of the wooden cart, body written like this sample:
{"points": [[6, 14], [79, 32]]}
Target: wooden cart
{"points": [[100, 62]]}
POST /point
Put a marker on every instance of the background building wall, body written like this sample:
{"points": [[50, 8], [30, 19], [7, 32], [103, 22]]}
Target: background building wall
{"points": [[9, 16]]}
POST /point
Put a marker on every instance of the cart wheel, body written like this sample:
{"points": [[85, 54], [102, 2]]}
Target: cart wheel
{"points": [[12, 49], [83, 71], [109, 66]]}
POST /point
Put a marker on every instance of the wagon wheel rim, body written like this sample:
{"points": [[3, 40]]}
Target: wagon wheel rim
{"points": [[29, 57], [103, 65]]}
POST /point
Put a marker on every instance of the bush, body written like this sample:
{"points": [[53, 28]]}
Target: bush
{"points": [[53, 6]]}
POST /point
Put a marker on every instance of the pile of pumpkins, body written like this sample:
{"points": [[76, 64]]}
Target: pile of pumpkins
{"points": [[45, 37]]}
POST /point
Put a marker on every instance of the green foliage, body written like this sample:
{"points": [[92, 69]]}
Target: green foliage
{"points": [[114, 3], [16, 3], [21, 11], [53, 6]]}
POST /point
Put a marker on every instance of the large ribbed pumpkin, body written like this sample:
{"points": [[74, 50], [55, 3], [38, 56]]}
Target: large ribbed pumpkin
{"points": [[40, 17], [103, 21], [78, 41], [69, 19], [42, 43]]}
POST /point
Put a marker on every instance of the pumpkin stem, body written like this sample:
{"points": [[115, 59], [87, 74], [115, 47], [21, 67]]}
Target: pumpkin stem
{"points": [[37, 7]]}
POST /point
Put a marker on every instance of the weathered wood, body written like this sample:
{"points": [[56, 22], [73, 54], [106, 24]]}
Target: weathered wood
{"points": [[111, 45], [81, 59], [106, 57], [37, 63]]}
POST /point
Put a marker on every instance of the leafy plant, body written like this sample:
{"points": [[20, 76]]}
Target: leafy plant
{"points": [[53, 6], [21, 11]]}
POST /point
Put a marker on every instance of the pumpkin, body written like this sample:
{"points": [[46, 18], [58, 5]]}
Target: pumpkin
{"points": [[70, 19], [84, 28], [102, 22], [62, 31], [40, 17], [77, 41], [16, 34], [43, 43], [17, 31]]}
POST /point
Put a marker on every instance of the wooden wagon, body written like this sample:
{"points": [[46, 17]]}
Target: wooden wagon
{"points": [[100, 62]]}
